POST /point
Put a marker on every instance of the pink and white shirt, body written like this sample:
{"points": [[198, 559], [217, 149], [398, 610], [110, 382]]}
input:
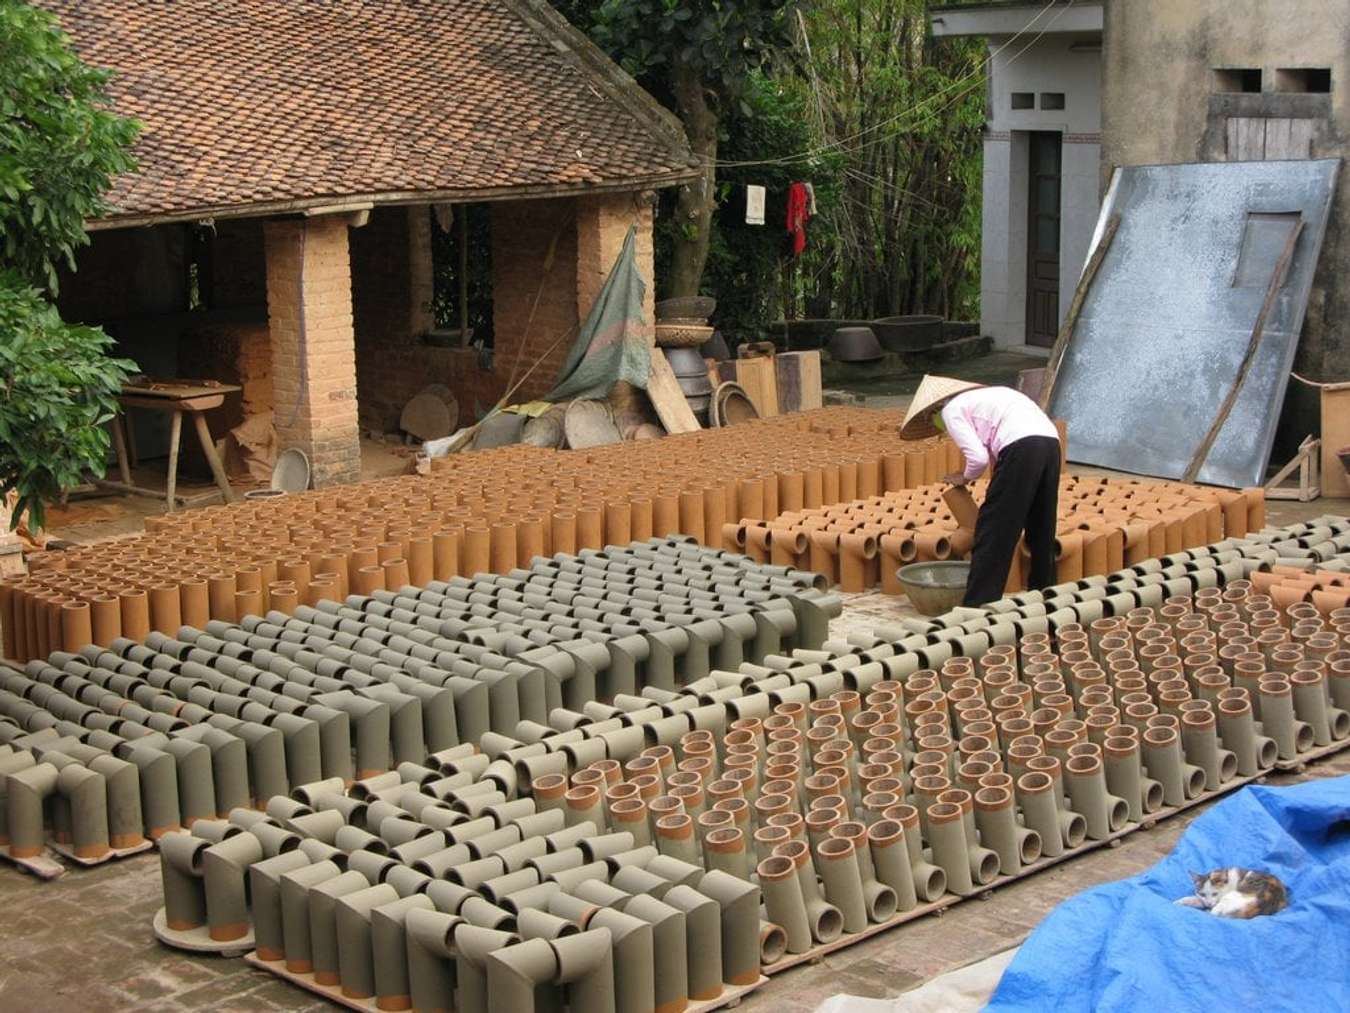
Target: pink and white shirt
{"points": [[983, 421]]}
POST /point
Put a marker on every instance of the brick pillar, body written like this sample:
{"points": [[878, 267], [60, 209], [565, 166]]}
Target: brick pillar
{"points": [[602, 224], [309, 310]]}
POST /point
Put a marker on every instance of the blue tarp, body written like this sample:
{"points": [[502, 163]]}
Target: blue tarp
{"points": [[1127, 946]]}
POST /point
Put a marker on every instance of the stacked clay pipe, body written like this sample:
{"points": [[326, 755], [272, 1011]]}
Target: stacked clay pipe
{"points": [[835, 789], [50, 611], [484, 512], [1327, 590], [190, 727], [1104, 524]]}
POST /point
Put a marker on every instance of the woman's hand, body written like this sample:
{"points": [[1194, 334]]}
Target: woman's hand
{"points": [[955, 478]]}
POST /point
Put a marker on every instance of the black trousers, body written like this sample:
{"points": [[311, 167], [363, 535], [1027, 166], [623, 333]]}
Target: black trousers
{"points": [[1023, 496]]}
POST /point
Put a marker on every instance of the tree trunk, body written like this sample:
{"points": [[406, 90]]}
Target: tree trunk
{"points": [[694, 207]]}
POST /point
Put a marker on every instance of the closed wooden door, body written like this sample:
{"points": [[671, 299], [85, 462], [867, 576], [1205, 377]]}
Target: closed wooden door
{"points": [[1043, 238]]}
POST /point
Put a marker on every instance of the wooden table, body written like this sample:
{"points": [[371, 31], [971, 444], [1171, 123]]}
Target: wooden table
{"points": [[178, 399]]}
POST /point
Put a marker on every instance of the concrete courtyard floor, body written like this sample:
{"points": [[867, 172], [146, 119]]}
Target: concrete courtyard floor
{"points": [[84, 941]]}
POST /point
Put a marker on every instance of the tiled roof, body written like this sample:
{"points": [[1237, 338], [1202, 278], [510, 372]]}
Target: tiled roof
{"points": [[265, 102]]}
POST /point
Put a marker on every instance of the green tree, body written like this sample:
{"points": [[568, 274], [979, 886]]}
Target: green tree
{"points": [[60, 147], [699, 56], [905, 114]]}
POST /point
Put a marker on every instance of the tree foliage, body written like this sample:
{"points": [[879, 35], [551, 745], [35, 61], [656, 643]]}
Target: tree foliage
{"points": [[57, 389], [60, 146], [905, 114], [698, 56]]}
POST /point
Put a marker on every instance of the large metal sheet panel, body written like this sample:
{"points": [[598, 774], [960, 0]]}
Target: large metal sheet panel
{"points": [[1167, 322]]}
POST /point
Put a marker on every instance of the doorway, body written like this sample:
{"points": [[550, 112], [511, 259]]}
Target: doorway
{"points": [[1043, 214]]}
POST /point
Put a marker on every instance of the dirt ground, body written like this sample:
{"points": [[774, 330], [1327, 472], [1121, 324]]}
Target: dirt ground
{"points": [[84, 941]]}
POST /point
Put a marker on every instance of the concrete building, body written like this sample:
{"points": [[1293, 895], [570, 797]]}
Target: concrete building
{"points": [[296, 156], [1219, 80], [1041, 158], [1146, 82]]}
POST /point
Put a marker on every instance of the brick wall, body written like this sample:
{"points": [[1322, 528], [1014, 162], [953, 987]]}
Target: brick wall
{"points": [[309, 305], [391, 303], [602, 225], [522, 232]]}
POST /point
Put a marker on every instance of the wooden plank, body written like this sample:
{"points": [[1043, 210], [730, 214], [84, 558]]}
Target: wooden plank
{"points": [[180, 390], [1288, 139], [1253, 343], [798, 378], [1246, 138], [757, 376], [1335, 435], [1061, 344], [667, 398], [195, 403]]}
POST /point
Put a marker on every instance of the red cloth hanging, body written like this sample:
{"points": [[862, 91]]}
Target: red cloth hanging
{"points": [[798, 213]]}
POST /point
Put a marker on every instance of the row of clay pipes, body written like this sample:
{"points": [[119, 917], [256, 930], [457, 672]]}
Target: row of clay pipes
{"points": [[1104, 524]]}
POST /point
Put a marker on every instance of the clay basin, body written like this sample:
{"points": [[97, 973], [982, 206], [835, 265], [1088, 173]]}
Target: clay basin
{"points": [[934, 588]]}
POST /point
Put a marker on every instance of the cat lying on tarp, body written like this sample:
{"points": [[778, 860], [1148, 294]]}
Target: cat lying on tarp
{"points": [[1237, 893]]}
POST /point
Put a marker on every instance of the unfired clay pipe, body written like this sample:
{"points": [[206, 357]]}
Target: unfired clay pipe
{"points": [[295, 887], [431, 958], [224, 866], [180, 866], [356, 957], [472, 947], [739, 903]]}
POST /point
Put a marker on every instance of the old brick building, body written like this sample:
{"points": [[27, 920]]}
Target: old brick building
{"points": [[278, 230]]}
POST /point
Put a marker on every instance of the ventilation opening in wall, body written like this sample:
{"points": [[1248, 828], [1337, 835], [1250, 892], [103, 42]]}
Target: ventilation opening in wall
{"points": [[1312, 80], [1023, 100], [1237, 79], [1052, 100]]}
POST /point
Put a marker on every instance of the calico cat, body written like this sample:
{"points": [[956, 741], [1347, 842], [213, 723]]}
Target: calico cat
{"points": [[1237, 893]]}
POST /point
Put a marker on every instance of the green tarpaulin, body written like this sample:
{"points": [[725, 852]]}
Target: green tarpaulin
{"points": [[612, 345]]}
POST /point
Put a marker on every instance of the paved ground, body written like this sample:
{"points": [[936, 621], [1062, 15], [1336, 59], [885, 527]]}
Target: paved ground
{"points": [[84, 941]]}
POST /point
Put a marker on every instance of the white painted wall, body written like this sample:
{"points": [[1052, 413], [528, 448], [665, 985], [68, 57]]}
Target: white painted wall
{"points": [[1047, 64]]}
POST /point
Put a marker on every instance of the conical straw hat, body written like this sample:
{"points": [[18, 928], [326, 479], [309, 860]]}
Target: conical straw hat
{"points": [[933, 393]]}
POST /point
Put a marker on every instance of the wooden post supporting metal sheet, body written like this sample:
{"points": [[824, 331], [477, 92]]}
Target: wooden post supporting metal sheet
{"points": [[1258, 328]]}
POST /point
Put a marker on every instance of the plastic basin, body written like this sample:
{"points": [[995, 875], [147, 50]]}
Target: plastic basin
{"points": [[934, 588]]}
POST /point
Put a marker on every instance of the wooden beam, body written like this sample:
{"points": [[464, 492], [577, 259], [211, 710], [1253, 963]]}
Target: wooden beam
{"points": [[1061, 344], [1253, 343]]}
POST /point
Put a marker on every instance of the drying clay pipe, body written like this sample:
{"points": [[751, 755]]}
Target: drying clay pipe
{"points": [[1200, 743], [739, 904], [265, 901], [472, 947], [1237, 729], [1015, 846], [224, 866], [390, 946], [295, 887], [352, 922], [1058, 828], [180, 865], [322, 901], [1086, 786], [783, 901], [430, 962], [930, 882]]}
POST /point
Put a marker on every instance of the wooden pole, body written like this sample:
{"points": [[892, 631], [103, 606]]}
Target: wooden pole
{"points": [[1061, 344], [1254, 342]]}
